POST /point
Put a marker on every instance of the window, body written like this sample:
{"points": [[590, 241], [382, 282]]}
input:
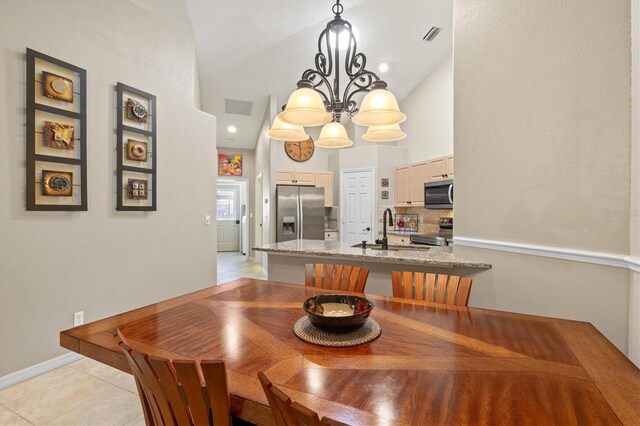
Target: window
{"points": [[226, 204]]}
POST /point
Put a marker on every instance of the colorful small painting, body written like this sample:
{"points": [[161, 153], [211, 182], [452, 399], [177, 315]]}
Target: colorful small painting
{"points": [[57, 183], [229, 165], [137, 189], [384, 195], [384, 182]]}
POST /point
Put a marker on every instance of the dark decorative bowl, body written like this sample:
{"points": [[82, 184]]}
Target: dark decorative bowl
{"points": [[337, 313]]}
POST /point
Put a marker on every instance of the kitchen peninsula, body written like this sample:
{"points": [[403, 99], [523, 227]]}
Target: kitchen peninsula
{"points": [[286, 261]]}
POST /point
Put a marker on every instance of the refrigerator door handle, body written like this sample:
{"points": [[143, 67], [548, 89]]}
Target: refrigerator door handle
{"points": [[301, 218]]}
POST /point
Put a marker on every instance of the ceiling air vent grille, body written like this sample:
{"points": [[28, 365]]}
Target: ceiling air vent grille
{"points": [[234, 106], [431, 34]]}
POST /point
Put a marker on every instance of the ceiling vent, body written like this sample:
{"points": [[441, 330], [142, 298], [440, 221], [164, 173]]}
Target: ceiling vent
{"points": [[433, 32], [234, 106]]}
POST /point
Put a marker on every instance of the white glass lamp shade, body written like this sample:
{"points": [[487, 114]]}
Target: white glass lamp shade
{"points": [[379, 108], [388, 133], [305, 108], [333, 135], [286, 132]]}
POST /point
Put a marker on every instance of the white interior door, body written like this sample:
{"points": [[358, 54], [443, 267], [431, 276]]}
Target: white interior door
{"points": [[357, 206], [228, 218]]}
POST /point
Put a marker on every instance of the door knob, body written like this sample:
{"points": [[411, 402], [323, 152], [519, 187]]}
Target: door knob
{"points": [[237, 222], [367, 228]]}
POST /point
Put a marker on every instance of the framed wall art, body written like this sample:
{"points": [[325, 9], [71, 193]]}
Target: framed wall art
{"points": [[136, 149], [229, 165], [56, 166]]}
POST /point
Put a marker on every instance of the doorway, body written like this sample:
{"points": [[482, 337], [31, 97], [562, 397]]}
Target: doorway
{"points": [[358, 207], [231, 216], [258, 221]]}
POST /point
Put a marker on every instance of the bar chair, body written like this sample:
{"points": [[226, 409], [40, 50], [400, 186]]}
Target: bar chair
{"points": [[288, 413], [336, 277], [439, 288], [171, 392]]}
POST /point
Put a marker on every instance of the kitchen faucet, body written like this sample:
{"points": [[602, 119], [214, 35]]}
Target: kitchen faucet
{"points": [[384, 241]]}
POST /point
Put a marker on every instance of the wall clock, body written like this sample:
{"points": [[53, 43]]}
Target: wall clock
{"points": [[299, 151]]}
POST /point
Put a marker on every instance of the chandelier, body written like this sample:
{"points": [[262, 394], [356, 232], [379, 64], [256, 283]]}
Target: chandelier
{"points": [[318, 101]]}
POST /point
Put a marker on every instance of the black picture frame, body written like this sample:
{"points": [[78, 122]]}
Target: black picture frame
{"points": [[33, 107], [151, 134]]}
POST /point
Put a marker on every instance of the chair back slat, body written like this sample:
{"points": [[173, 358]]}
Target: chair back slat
{"points": [[407, 279], [146, 396], [215, 377], [187, 372], [464, 291], [169, 385], [304, 415], [275, 408], [172, 393], [289, 413], [336, 277], [452, 289], [445, 289], [442, 287], [157, 395]]}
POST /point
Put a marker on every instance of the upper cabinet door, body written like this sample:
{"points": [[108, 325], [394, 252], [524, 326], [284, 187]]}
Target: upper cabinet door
{"points": [[305, 178], [325, 180], [285, 177], [437, 169], [418, 175], [402, 191], [449, 167]]}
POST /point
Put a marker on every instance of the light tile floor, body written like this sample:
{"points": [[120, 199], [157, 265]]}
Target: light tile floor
{"points": [[87, 392]]}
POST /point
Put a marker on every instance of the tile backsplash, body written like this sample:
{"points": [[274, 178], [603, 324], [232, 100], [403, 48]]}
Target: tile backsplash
{"points": [[428, 220], [331, 217]]}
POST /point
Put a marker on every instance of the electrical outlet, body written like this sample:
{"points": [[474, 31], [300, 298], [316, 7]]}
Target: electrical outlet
{"points": [[207, 220], [78, 318]]}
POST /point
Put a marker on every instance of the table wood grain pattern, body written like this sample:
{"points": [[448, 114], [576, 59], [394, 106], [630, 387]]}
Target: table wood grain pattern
{"points": [[432, 364]]}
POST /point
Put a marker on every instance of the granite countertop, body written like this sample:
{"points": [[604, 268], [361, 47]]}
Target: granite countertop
{"points": [[434, 256]]}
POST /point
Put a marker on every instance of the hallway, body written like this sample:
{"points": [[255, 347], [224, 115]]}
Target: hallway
{"points": [[232, 265]]}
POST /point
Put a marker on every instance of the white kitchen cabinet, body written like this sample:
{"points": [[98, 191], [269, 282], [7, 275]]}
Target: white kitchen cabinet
{"points": [[409, 184], [295, 177], [402, 178], [440, 168], [418, 175], [325, 180]]}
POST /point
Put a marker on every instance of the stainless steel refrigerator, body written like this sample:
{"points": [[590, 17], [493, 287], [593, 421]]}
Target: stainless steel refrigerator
{"points": [[300, 213]]}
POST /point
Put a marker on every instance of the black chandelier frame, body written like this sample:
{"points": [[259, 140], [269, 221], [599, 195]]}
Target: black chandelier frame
{"points": [[327, 60]]}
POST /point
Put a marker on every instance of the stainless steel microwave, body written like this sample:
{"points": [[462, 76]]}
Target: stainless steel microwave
{"points": [[438, 195]]}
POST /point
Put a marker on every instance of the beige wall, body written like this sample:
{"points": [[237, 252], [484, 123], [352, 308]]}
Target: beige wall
{"points": [[53, 264], [634, 216], [429, 109], [542, 134], [542, 122]]}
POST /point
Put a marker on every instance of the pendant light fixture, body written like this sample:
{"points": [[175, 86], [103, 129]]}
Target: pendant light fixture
{"points": [[286, 132], [319, 101], [386, 133]]}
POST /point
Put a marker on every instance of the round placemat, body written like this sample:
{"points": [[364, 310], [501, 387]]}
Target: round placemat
{"points": [[307, 332]]}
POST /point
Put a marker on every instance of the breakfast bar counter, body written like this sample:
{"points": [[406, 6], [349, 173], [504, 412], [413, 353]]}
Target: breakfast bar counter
{"points": [[286, 261]]}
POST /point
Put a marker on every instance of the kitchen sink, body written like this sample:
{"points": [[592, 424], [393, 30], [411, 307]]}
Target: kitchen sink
{"points": [[393, 247]]}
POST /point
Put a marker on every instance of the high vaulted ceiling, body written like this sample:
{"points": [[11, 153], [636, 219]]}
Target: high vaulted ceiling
{"points": [[248, 50]]}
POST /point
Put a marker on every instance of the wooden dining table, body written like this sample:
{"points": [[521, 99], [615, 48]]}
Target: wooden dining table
{"points": [[432, 364]]}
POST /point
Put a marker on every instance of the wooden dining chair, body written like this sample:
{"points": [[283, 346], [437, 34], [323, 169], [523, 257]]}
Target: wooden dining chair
{"points": [[288, 413], [336, 277], [438, 288], [171, 392]]}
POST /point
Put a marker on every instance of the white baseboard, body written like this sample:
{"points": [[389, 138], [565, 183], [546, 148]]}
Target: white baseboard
{"points": [[36, 370], [593, 257]]}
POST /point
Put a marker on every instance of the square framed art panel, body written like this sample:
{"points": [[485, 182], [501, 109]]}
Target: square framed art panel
{"points": [[56, 166], [229, 165], [136, 149]]}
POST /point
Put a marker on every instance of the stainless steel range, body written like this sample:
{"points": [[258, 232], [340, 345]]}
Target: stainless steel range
{"points": [[442, 239]]}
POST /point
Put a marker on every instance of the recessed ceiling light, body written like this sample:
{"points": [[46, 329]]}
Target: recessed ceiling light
{"points": [[383, 67], [232, 129]]}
